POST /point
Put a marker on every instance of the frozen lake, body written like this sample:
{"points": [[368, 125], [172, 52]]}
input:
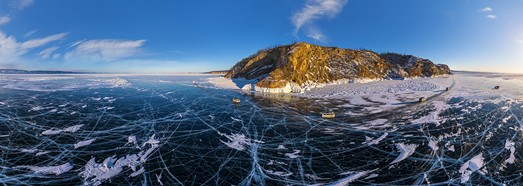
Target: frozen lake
{"points": [[168, 130]]}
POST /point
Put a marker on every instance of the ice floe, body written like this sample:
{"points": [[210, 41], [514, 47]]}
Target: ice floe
{"points": [[84, 143], [95, 173], [405, 151], [58, 131], [471, 166], [350, 178], [238, 141], [279, 173], [433, 117], [293, 154], [281, 147], [57, 170], [509, 145], [370, 141], [433, 144]]}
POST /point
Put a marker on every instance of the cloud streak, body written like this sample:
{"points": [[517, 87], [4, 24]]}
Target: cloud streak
{"points": [[486, 9], [4, 20], [21, 4], [314, 10], [489, 11], [105, 49], [46, 53], [15, 5], [491, 16], [11, 50], [42, 41]]}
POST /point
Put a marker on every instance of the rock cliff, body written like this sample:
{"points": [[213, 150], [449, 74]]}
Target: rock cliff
{"points": [[300, 66]]}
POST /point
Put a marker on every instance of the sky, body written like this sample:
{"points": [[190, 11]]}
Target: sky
{"points": [[171, 36]]}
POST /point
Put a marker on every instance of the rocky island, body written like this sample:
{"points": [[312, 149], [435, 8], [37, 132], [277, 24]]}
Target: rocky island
{"points": [[301, 66]]}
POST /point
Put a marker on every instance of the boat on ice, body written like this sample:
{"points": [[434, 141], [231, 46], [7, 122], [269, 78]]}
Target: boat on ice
{"points": [[236, 100], [328, 115]]}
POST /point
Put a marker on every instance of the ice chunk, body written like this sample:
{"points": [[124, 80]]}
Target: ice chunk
{"points": [[138, 172], [371, 176], [37, 108], [349, 179], [509, 145], [31, 150], [405, 151], [58, 131], [273, 162], [451, 148], [279, 173], [238, 141], [42, 153], [506, 119], [433, 144], [152, 141], [370, 141], [95, 173], [57, 170], [472, 166], [83, 143], [73, 128], [433, 117], [131, 140], [294, 154]]}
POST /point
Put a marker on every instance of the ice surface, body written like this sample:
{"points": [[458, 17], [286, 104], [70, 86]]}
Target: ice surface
{"points": [[183, 130]]}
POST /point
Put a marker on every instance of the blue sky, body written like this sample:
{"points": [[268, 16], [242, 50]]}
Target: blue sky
{"points": [[169, 36]]}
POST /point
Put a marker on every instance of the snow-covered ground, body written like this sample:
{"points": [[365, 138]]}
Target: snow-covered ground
{"points": [[375, 96]]}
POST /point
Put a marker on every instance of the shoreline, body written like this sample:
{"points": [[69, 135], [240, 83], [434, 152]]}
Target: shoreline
{"points": [[369, 96], [312, 89]]}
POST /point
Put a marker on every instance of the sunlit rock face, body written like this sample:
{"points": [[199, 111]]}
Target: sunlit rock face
{"points": [[301, 65]]}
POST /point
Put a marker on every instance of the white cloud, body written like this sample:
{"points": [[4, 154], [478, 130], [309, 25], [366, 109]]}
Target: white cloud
{"points": [[46, 53], [316, 34], [21, 4], [486, 9], [4, 20], [42, 41], [105, 49], [13, 6], [490, 16], [316, 9], [11, 50], [30, 33], [56, 56]]}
